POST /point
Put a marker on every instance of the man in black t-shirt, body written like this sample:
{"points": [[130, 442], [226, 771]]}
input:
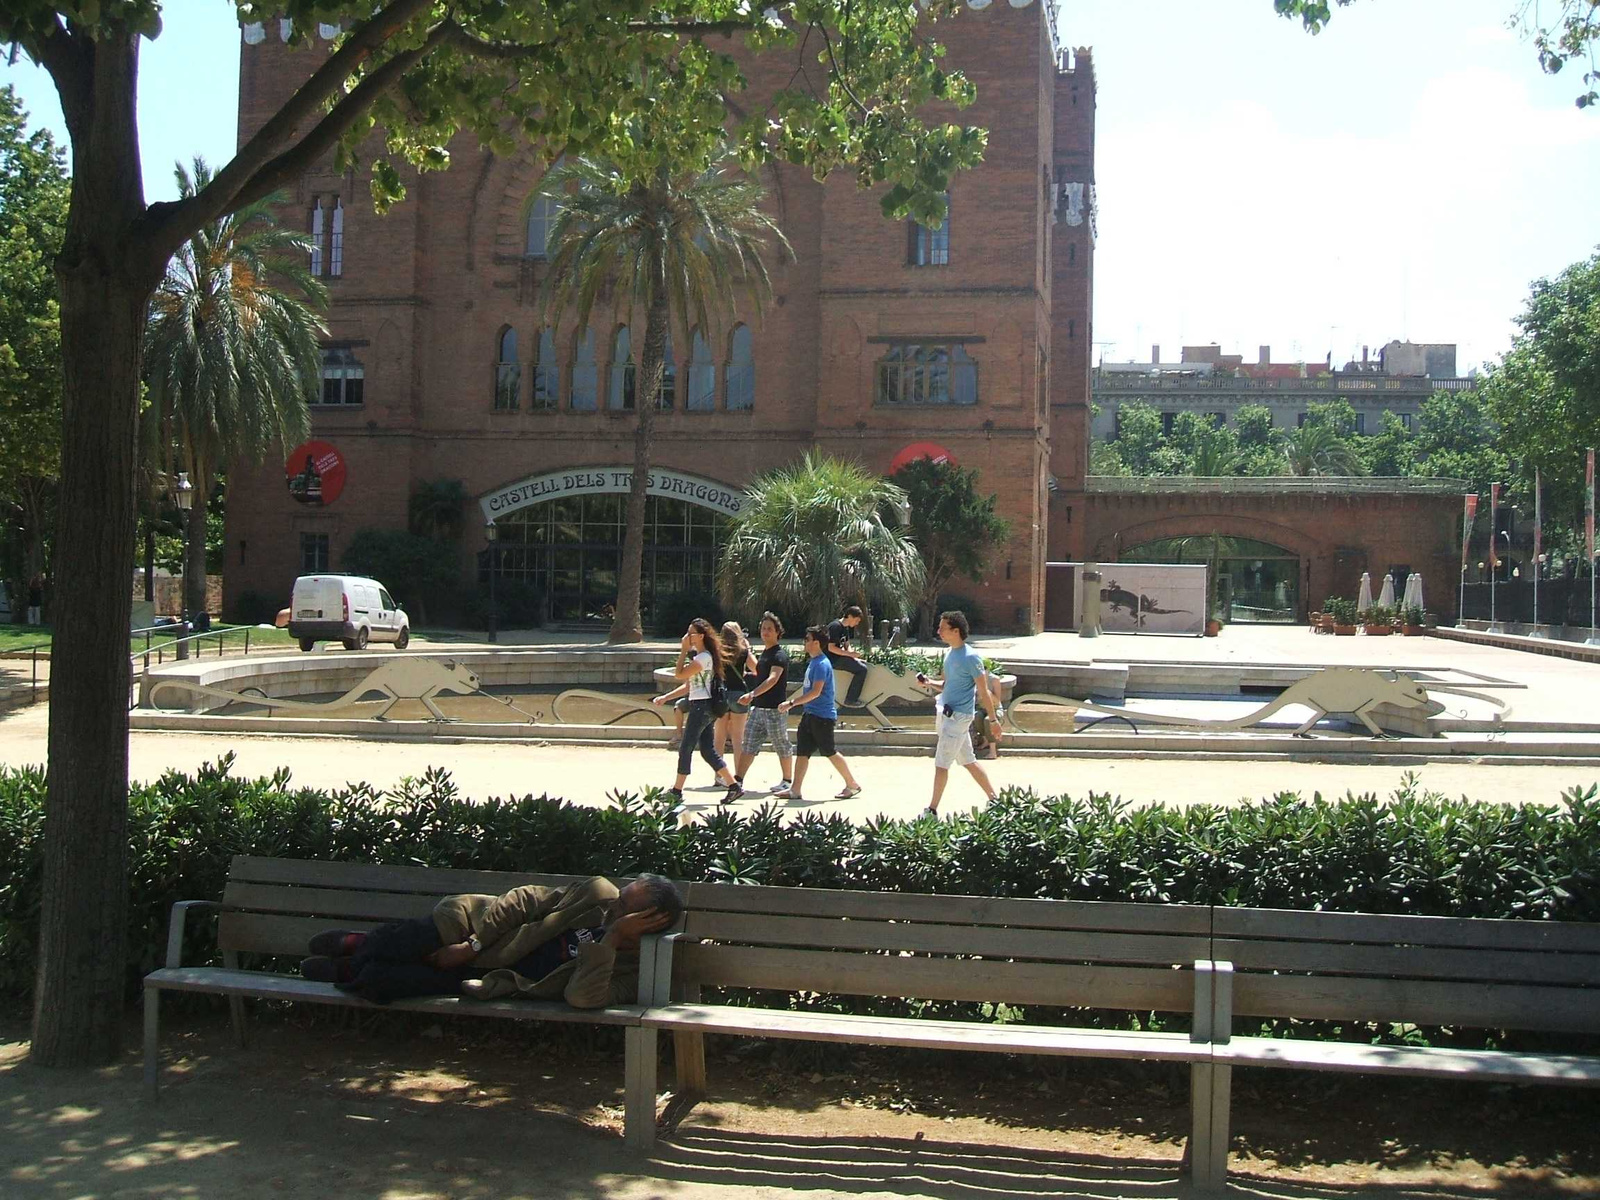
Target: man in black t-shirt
{"points": [[765, 721], [845, 659]]}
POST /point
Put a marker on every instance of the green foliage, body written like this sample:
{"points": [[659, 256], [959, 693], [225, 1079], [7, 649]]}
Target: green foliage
{"points": [[1342, 610], [1411, 615], [423, 575], [955, 529], [1458, 439], [1412, 853], [1318, 448], [904, 661], [816, 536], [437, 509], [1378, 614], [674, 612]]}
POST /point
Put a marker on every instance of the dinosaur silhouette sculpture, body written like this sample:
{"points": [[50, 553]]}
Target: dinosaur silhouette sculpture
{"points": [[1353, 690], [1136, 603], [628, 706], [883, 684], [409, 678]]}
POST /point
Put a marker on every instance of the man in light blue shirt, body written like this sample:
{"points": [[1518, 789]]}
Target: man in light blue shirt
{"points": [[966, 683], [819, 713]]}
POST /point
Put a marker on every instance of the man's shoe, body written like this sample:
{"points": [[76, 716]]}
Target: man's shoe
{"points": [[322, 968], [784, 786], [336, 942], [734, 792], [928, 812]]}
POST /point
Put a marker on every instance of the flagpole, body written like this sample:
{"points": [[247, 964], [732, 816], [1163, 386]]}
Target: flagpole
{"points": [[1538, 545], [1469, 509], [1588, 540], [1494, 551]]}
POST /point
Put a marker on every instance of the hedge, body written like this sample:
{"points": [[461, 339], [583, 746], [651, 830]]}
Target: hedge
{"points": [[1414, 852]]}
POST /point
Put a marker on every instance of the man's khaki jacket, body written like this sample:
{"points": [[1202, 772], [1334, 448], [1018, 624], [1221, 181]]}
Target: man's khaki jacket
{"points": [[515, 924]]}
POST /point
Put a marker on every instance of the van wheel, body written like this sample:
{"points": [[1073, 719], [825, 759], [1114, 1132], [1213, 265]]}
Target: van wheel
{"points": [[361, 639], [350, 644], [404, 640], [307, 645]]}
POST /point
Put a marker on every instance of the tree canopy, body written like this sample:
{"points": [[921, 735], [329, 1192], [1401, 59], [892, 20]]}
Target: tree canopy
{"points": [[955, 527]]}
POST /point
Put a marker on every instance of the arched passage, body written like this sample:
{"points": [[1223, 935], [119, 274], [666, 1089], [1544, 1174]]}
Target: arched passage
{"points": [[1256, 582]]}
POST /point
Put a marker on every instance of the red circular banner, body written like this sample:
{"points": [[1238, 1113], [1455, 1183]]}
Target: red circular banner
{"points": [[922, 450], [315, 472]]}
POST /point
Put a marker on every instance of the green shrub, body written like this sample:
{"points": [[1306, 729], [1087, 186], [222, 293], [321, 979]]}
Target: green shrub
{"points": [[674, 612], [1412, 853], [252, 608], [1342, 611], [422, 574]]}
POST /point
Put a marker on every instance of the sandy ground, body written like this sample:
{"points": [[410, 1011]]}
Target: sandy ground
{"points": [[407, 1109], [897, 786]]}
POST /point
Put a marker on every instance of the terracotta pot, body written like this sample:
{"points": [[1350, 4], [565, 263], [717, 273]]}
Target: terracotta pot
{"points": [[1379, 630], [1344, 631], [1213, 628], [1411, 630], [1327, 622]]}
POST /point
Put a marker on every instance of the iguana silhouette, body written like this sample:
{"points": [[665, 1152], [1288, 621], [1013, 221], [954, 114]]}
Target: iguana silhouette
{"points": [[1118, 599]]}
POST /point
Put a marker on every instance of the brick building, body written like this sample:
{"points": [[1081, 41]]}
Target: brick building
{"points": [[881, 335]]}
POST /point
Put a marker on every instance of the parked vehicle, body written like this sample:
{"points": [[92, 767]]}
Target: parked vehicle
{"points": [[351, 609]]}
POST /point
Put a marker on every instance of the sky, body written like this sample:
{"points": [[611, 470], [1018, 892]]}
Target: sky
{"points": [[1405, 174]]}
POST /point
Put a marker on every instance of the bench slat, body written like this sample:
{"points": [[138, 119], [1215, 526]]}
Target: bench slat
{"points": [[941, 1035], [263, 933], [1055, 945], [268, 986], [1191, 919], [432, 881], [1420, 1002], [1483, 933], [1415, 962], [1143, 989], [1487, 1065], [327, 903]]}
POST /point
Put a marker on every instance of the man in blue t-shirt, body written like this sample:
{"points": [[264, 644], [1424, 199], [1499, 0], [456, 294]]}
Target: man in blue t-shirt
{"points": [[966, 682], [818, 715]]}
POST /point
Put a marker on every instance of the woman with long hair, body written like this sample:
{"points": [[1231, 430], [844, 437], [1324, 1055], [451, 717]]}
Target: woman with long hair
{"points": [[738, 675], [699, 663]]}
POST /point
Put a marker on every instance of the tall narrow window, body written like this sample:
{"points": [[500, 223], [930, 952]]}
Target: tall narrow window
{"points": [[507, 373], [620, 396], [583, 371], [702, 395], [541, 217], [740, 383], [546, 373], [336, 239], [669, 376], [313, 553], [343, 377], [316, 235], [930, 247]]}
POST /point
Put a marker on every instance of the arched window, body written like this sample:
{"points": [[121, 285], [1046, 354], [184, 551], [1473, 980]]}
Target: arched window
{"points": [[929, 247], [669, 376], [583, 371], [507, 373], [740, 382], [546, 373], [702, 395], [624, 378], [542, 212]]}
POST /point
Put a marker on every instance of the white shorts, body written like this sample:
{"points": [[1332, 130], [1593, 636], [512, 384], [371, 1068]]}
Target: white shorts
{"points": [[954, 747]]}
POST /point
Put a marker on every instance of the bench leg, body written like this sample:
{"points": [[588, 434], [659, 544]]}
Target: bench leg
{"points": [[639, 1105], [689, 1052], [1210, 1092], [230, 959], [152, 1043]]}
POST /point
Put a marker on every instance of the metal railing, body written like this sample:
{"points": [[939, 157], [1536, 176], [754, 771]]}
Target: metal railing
{"points": [[1274, 485], [33, 654], [159, 649]]}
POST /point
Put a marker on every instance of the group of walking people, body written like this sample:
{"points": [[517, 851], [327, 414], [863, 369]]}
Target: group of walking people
{"points": [[729, 695]]}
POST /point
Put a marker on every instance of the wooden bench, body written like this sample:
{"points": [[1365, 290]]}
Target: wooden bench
{"points": [[1054, 953], [1469, 973], [273, 906]]}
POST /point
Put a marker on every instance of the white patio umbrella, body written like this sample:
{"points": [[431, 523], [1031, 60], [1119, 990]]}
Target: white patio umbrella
{"points": [[1364, 596], [1386, 593], [1415, 591]]}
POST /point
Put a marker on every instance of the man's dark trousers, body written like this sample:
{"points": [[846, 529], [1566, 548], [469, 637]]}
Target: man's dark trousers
{"points": [[856, 669], [392, 964]]}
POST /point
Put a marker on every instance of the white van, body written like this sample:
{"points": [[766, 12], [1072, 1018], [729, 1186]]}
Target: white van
{"points": [[348, 608]]}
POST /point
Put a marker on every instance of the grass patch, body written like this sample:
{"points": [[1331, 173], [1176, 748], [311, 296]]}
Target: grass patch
{"points": [[18, 638]]}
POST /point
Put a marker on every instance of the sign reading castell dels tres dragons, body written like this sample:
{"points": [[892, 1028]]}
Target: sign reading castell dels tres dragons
{"points": [[590, 481]]}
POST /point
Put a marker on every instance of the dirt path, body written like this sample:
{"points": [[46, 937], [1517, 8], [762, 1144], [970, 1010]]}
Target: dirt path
{"points": [[401, 1109]]}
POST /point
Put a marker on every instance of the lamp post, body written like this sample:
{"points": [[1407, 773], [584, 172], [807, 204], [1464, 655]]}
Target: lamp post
{"points": [[1494, 571], [183, 493], [1538, 570], [491, 535]]}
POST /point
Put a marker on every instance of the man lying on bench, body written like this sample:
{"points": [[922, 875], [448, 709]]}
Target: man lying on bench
{"points": [[578, 943]]}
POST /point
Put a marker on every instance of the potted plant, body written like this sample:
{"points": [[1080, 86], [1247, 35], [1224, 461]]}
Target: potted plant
{"points": [[1411, 620], [1213, 600], [1343, 613], [1378, 621]]}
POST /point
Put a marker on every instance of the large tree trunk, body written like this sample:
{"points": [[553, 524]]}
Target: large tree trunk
{"points": [[627, 625], [150, 560], [194, 550], [106, 283]]}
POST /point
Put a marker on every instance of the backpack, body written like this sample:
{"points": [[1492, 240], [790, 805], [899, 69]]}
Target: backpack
{"points": [[718, 691]]}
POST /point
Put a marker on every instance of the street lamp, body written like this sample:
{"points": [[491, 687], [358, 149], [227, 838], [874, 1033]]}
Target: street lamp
{"points": [[183, 493], [491, 535], [1494, 565]]}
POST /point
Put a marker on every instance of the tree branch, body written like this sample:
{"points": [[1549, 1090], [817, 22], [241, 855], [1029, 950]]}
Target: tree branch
{"points": [[838, 75], [462, 40], [173, 221], [59, 53]]}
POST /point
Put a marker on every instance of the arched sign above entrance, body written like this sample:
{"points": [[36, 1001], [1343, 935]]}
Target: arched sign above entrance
{"points": [[591, 481]]}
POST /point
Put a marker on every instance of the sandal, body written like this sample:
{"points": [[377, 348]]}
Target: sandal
{"points": [[788, 794], [849, 793]]}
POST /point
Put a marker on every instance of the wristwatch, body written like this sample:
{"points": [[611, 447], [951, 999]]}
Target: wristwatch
{"points": [[476, 943]]}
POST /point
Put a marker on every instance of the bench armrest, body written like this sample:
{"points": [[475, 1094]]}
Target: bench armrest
{"points": [[655, 968], [180, 915], [1213, 1002]]}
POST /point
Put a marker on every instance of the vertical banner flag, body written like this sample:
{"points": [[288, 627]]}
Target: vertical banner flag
{"points": [[1588, 507], [1468, 515], [1538, 522], [1494, 526]]}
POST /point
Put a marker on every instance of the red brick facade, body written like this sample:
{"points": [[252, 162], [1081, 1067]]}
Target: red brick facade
{"points": [[426, 291]]}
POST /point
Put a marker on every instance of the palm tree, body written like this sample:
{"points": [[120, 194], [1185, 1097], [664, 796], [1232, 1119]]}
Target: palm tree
{"points": [[817, 535], [438, 509], [232, 354], [678, 246], [1319, 449]]}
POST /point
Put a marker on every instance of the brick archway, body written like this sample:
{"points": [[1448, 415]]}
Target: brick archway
{"points": [[1113, 539]]}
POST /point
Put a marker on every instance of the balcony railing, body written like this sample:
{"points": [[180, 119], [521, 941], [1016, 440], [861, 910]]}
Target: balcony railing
{"points": [[1274, 485]]}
